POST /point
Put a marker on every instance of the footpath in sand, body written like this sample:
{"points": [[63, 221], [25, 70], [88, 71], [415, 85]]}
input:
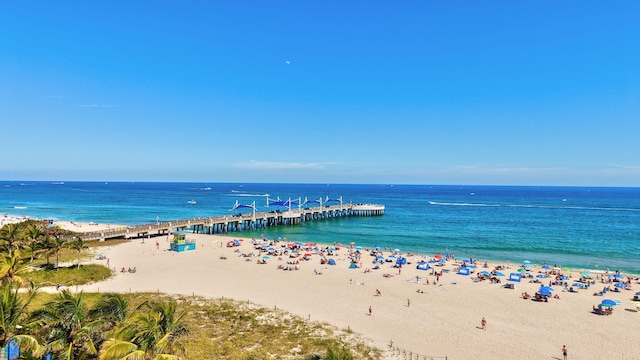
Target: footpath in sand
{"points": [[442, 319]]}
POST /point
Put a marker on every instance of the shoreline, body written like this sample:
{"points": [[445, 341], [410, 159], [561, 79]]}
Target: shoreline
{"points": [[431, 320]]}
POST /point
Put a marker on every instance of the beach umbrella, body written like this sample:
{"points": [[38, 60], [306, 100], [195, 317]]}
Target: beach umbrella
{"points": [[265, 257], [585, 274], [396, 250], [437, 256], [431, 261], [484, 273], [545, 291], [332, 248], [526, 266], [359, 248], [541, 276], [271, 249], [522, 270], [546, 267], [498, 273], [620, 285], [557, 268], [545, 288], [567, 271], [618, 276], [562, 277], [526, 262], [608, 302]]}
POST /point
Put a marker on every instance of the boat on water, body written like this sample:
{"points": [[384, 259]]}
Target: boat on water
{"points": [[192, 202]]}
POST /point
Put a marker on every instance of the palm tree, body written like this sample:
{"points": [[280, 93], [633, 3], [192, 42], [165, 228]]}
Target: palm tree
{"points": [[55, 245], [14, 318], [148, 335], [69, 329], [10, 236], [11, 268], [77, 244], [33, 234]]}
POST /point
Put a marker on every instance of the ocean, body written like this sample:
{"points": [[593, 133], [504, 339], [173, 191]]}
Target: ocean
{"points": [[594, 228]]}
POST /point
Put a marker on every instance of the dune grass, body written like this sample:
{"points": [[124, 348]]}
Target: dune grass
{"points": [[68, 276], [227, 329]]}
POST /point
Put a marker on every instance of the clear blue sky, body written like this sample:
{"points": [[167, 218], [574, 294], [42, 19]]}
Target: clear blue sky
{"points": [[419, 92]]}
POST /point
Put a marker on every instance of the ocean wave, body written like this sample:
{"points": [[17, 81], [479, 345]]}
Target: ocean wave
{"points": [[248, 194], [20, 207], [533, 206], [460, 204]]}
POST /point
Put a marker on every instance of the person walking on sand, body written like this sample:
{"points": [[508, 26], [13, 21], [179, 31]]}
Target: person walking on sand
{"points": [[408, 302], [484, 324], [369, 310], [564, 352]]}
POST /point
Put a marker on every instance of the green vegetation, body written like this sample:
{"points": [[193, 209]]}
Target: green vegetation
{"points": [[139, 326], [68, 275]]}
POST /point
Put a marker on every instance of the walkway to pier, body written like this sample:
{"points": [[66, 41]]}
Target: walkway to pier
{"points": [[226, 224]]}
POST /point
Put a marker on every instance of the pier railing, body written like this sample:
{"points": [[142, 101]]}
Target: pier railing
{"points": [[238, 222]]}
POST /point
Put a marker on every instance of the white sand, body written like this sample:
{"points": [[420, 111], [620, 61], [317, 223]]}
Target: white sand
{"points": [[84, 226], [442, 321]]}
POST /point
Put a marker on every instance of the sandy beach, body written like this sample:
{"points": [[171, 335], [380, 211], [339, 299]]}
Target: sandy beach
{"points": [[442, 319]]}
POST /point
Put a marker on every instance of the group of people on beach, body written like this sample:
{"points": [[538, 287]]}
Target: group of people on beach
{"points": [[129, 270]]}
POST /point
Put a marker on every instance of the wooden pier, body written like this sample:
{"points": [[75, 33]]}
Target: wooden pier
{"points": [[235, 223]]}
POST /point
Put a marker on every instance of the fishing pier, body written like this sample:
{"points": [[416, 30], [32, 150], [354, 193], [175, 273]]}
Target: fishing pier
{"points": [[239, 222]]}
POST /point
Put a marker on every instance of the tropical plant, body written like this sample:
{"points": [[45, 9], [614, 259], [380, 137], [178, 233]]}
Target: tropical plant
{"points": [[54, 245], [14, 318], [148, 335], [69, 330], [11, 268], [33, 234], [10, 237], [78, 245]]}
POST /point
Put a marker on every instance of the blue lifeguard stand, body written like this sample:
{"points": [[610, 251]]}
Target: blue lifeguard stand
{"points": [[180, 242]]}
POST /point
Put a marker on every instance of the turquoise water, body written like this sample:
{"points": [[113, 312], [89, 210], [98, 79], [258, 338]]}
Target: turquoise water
{"points": [[571, 226]]}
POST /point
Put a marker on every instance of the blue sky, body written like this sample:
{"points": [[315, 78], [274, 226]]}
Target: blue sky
{"points": [[418, 92]]}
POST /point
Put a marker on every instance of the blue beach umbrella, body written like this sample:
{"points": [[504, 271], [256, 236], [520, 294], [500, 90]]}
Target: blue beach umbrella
{"points": [[498, 273], [526, 262], [620, 285], [541, 276], [484, 273], [359, 248], [608, 302], [618, 276], [526, 266], [545, 267], [545, 290]]}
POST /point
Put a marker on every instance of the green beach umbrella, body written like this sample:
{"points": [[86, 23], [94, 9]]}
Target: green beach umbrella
{"points": [[585, 274], [522, 270]]}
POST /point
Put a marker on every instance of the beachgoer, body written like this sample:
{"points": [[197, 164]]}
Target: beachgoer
{"points": [[157, 245], [123, 270], [564, 352], [484, 324], [408, 302], [378, 293], [369, 310]]}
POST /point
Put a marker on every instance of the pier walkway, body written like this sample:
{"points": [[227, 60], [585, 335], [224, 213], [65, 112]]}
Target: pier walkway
{"points": [[239, 222]]}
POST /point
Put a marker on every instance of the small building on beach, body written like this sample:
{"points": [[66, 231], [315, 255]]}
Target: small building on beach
{"points": [[180, 242]]}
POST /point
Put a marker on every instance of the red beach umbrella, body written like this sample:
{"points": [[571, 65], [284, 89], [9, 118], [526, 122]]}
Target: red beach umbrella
{"points": [[438, 256]]}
